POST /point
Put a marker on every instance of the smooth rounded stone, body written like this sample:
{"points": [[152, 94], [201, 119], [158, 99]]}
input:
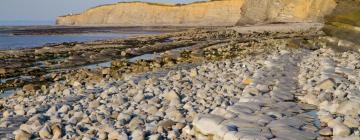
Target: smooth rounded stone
{"points": [[166, 124], [67, 92], [219, 100], [6, 114], [222, 129], [326, 132], [175, 103], [238, 109], [117, 100], [325, 96], [178, 126], [138, 135], [70, 128], [5, 124], [173, 135], [309, 99], [21, 135], [27, 128], [171, 96], [340, 94], [123, 116], [349, 108], [37, 119], [339, 129], [263, 88], [155, 137], [113, 90], [104, 95], [223, 112], [290, 133], [29, 87], [188, 130], [32, 111], [73, 120], [356, 137], [139, 97], [115, 135], [352, 122], [250, 91], [175, 115], [281, 95], [102, 135], [273, 114], [41, 98], [201, 93], [76, 84], [309, 128], [257, 118], [324, 116], [207, 124], [135, 123], [94, 104], [326, 84], [250, 136], [193, 73], [261, 100], [331, 107], [44, 132], [354, 96], [294, 122], [19, 109], [64, 109], [231, 135], [252, 106], [56, 131], [151, 109]]}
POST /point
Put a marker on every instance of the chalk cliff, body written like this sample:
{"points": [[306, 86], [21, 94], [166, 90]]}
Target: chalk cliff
{"points": [[212, 13]]}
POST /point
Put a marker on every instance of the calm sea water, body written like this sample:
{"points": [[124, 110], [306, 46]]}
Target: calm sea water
{"points": [[28, 41]]}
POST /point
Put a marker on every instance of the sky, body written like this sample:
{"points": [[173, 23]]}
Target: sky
{"points": [[46, 11]]}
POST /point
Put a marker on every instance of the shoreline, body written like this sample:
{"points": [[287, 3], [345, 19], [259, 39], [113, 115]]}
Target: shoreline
{"points": [[63, 30]]}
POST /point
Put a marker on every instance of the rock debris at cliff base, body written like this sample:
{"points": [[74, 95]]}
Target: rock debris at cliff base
{"points": [[290, 85]]}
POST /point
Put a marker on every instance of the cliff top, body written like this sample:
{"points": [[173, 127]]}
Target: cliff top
{"points": [[149, 3]]}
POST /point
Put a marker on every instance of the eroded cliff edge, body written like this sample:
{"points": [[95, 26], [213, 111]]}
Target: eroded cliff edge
{"points": [[212, 13]]}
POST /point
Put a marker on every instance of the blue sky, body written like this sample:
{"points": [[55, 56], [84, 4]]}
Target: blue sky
{"points": [[48, 10]]}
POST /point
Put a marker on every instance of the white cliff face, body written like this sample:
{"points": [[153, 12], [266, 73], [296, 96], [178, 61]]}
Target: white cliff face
{"points": [[214, 13]]}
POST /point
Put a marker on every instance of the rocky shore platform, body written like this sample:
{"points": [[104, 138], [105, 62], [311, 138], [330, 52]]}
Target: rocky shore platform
{"points": [[278, 82]]}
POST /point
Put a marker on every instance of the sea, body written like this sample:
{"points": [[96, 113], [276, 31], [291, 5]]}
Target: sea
{"points": [[29, 41], [11, 41]]}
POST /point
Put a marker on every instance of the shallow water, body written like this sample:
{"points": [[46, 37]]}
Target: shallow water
{"points": [[99, 65], [28, 41], [144, 57]]}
